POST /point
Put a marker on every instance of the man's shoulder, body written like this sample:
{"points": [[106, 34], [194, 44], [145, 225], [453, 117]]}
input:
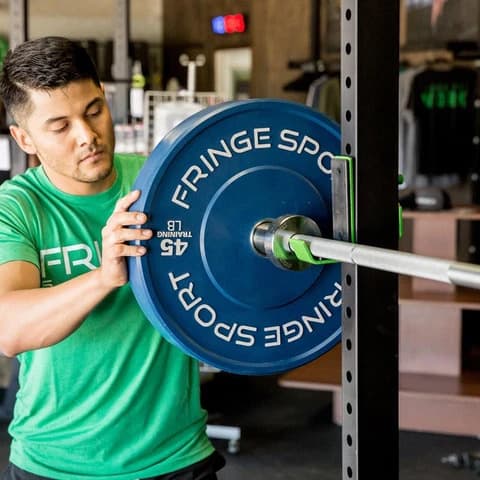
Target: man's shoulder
{"points": [[129, 159], [128, 165], [21, 185]]}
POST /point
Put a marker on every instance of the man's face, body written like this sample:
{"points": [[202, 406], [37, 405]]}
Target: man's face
{"points": [[70, 130]]}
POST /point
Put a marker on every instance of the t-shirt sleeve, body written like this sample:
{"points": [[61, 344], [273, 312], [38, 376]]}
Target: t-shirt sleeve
{"points": [[16, 242]]}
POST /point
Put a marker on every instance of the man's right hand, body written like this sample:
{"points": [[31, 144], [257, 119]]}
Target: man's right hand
{"points": [[115, 235]]}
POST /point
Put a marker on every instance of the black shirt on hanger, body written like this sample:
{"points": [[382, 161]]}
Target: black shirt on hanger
{"points": [[443, 104]]}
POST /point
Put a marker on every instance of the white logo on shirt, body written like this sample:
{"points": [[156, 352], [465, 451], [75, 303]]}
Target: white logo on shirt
{"points": [[61, 257]]}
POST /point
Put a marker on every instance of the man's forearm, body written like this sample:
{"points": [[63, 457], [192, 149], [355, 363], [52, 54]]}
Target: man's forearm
{"points": [[40, 317]]}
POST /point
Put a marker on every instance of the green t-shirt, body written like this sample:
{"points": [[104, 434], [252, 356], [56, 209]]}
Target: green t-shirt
{"points": [[114, 400]]}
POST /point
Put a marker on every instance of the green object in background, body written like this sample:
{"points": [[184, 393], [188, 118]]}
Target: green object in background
{"points": [[3, 50], [138, 79]]}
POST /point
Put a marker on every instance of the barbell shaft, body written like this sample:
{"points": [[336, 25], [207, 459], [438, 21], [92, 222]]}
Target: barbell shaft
{"points": [[441, 270], [405, 263]]}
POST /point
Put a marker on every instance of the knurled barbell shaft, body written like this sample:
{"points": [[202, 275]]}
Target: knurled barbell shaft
{"points": [[457, 273]]}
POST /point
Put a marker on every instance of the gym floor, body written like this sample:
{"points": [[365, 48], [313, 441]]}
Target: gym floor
{"points": [[287, 435]]}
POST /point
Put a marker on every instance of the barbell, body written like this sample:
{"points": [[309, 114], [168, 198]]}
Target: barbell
{"points": [[228, 188]]}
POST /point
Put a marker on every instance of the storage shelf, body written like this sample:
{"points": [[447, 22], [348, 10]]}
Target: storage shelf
{"points": [[429, 403], [466, 384], [325, 373], [460, 213]]}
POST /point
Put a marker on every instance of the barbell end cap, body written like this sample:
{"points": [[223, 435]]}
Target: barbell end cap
{"points": [[464, 275], [258, 236]]}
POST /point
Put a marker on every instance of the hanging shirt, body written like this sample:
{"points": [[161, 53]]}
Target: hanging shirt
{"points": [[443, 104]]}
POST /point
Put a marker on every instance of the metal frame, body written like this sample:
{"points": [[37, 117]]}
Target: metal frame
{"points": [[18, 34], [18, 22], [121, 65], [369, 84]]}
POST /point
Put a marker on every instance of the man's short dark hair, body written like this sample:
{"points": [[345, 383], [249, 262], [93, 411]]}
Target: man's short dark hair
{"points": [[42, 64]]}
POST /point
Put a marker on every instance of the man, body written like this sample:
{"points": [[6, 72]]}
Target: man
{"points": [[102, 395]]}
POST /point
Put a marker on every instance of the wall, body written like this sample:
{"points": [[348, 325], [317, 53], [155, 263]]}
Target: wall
{"points": [[459, 20], [94, 20], [278, 32], [88, 19], [187, 29], [281, 33]]}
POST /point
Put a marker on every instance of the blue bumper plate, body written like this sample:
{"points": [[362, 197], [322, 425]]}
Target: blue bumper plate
{"points": [[204, 188]]}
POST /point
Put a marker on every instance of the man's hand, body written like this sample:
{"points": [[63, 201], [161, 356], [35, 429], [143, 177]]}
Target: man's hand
{"points": [[115, 234]]}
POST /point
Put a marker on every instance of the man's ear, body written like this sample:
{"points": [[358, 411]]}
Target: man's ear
{"points": [[23, 139]]}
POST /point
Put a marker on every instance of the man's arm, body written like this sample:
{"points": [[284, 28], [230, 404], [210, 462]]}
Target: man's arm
{"points": [[32, 317]]}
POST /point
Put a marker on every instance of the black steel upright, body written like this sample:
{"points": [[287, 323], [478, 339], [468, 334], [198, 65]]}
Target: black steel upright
{"points": [[369, 66]]}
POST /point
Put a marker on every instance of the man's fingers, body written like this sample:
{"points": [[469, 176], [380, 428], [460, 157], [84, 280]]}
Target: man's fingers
{"points": [[124, 203], [122, 218], [124, 250], [121, 235]]}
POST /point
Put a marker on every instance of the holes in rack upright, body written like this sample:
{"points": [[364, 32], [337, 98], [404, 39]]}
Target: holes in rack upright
{"points": [[348, 280]]}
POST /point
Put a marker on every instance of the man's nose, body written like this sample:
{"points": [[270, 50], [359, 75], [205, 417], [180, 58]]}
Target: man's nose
{"points": [[85, 134]]}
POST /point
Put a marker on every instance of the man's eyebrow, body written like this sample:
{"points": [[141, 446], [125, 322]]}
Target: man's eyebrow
{"points": [[96, 100], [49, 121]]}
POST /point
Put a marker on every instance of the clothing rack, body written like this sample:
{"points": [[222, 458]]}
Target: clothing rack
{"points": [[447, 67]]}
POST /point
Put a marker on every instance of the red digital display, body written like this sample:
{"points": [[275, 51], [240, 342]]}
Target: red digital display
{"points": [[227, 24]]}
